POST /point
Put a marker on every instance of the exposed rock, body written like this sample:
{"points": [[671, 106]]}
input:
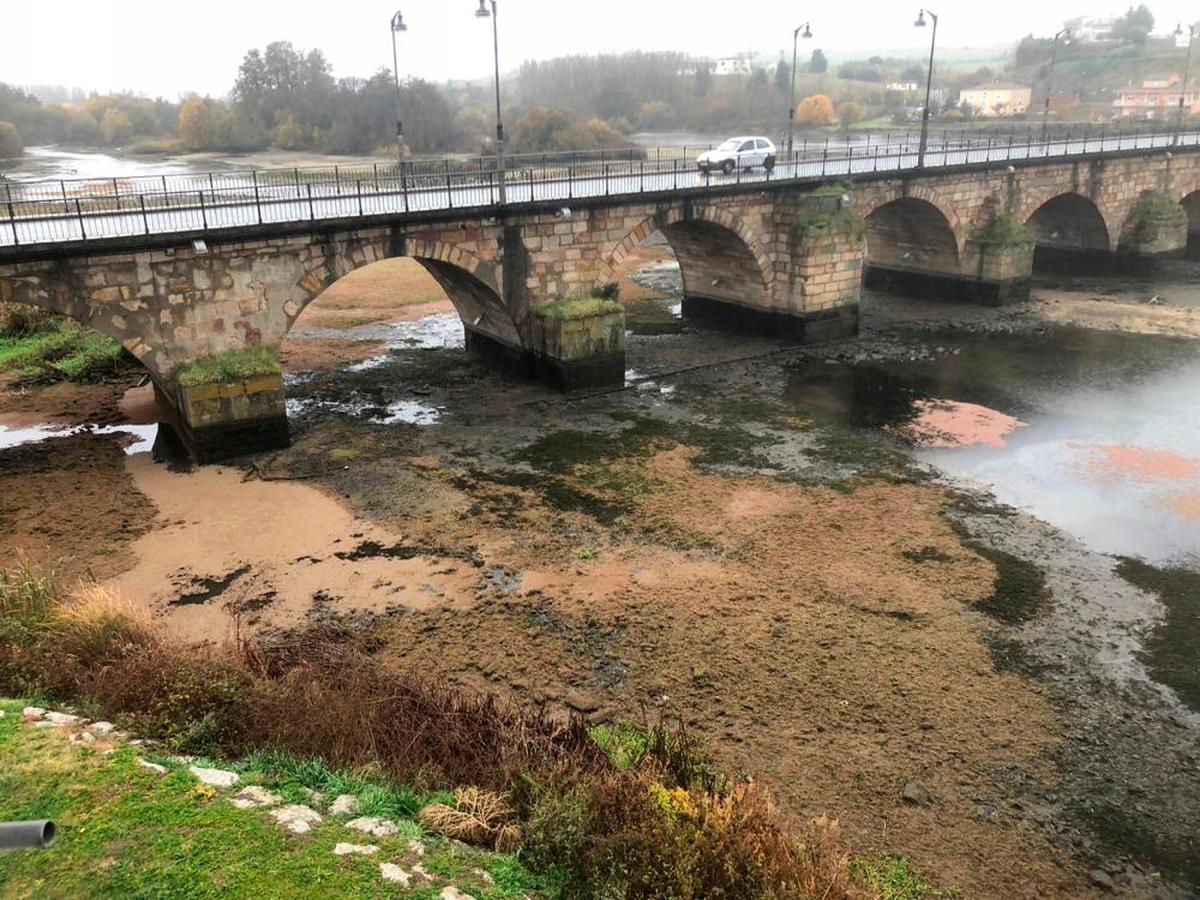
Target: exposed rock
{"points": [[296, 819], [255, 797], [484, 877], [32, 712], [344, 805], [103, 728], [914, 793], [450, 892], [62, 720], [392, 872], [417, 848], [355, 850], [374, 827], [153, 767], [214, 777], [1102, 880]]}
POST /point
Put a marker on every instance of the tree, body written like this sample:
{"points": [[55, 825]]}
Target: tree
{"points": [[850, 114], [819, 62], [204, 124], [1031, 51], [783, 77], [115, 126], [703, 86], [913, 73], [758, 80], [11, 145], [815, 111], [1135, 26]]}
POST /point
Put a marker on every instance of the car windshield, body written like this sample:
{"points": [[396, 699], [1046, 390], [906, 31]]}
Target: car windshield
{"points": [[731, 144]]}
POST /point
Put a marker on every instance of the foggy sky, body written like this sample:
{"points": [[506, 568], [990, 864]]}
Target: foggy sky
{"points": [[172, 48]]}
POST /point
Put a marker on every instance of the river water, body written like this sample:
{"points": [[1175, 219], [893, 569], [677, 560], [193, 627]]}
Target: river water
{"points": [[1106, 444]]}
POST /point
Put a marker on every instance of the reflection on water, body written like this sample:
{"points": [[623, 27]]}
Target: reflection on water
{"points": [[41, 163], [1111, 447], [143, 435]]}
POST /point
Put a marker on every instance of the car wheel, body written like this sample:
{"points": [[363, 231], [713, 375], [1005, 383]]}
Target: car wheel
{"points": [[769, 163], [727, 167]]}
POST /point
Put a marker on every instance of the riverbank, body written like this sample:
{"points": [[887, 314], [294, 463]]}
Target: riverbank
{"points": [[738, 542]]}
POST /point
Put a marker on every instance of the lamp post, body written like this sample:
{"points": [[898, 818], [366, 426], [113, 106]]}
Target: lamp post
{"points": [[920, 23], [1065, 37], [484, 13], [806, 32], [401, 150], [1187, 71]]}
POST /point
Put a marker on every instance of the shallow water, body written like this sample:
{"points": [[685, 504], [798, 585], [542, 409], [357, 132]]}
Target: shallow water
{"points": [[143, 435], [1107, 446], [47, 163]]}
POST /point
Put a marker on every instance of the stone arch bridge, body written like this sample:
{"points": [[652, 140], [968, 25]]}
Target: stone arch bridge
{"points": [[786, 258]]}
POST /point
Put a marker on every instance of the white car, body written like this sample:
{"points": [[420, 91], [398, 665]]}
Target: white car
{"points": [[739, 153]]}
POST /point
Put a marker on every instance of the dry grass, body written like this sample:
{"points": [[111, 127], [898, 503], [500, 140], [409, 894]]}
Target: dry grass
{"points": [[477, 817]]}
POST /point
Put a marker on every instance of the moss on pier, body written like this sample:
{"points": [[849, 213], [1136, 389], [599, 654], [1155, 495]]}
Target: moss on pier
{"points": [[232, 365]]}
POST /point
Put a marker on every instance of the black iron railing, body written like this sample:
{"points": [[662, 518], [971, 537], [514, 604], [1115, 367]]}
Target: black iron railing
{"points": [[70, 210]]}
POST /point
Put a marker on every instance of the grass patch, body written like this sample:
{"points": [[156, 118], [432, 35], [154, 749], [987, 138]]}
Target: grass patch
{"points": [[230, 366], [57, 349], [1019, 593], [126, 832], [1171, 650], [579, 308], [893, 878]]}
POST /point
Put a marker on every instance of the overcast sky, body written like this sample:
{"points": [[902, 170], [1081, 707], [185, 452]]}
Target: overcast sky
{"points": [[171, 48]]}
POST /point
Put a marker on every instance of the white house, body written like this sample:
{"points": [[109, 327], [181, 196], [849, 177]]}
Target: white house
{"points": [[1091, 29], [734, 65], [902, 87]]}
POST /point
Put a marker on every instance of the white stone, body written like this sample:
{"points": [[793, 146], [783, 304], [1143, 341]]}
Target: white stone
{"points": [[153, 767], [373, 827], [355, 850], [485, 877], [103, 728], [416, 847], [296, 819], [344, 805], [33, 712], [214, 777], [392, 872], [62, 720], [255, 797], [450, 892]]}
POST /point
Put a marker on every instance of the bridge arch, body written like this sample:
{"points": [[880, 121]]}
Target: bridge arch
{"points": [[720, 257], [1070, 232], [469, 281], [912, 233]]}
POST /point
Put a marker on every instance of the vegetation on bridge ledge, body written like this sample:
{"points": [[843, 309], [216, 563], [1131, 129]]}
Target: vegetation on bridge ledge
{"points": [[230, 366], [1005, 230], [38, 347], [579, 308]]}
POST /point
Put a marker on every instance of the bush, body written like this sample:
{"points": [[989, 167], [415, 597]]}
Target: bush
{"points": [[11, 145], [19, 320]]}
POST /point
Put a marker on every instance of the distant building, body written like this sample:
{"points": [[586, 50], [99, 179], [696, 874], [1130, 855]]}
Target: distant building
{"points": [[1157, 98], [902, 87], [997, 99], [734, 65], [1092, 29]]}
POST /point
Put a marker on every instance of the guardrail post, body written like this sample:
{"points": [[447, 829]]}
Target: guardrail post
{"points": [[606, 186], [79, 212], [296, 175], [337, 181], [529, 176], [145, 218], [12, 214], [824, 157], [203, 213], [642, 164], [257, 198], [312, 215], [358, 191], [675, 173]]}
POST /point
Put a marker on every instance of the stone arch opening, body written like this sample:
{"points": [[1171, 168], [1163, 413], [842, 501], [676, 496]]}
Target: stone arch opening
{"points": [[1070, 236], [722, 267], [911, 248], [1191, 205]]}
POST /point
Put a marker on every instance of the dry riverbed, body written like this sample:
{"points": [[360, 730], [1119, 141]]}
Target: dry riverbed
{"points": [[868, 640]]}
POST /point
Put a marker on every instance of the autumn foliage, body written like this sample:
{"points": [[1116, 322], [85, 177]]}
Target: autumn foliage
{"points": [[815, 111]]}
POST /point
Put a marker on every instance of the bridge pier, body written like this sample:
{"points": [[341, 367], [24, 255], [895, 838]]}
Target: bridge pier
{"points": [[219, 421]]}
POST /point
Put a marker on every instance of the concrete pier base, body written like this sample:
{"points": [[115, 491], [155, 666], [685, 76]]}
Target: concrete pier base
{"points": [[942, 286], [218, 422], [579, 344]]}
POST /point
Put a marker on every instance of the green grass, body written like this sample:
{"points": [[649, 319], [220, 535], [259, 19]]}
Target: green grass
{"points": [[579, 308], [232, 365], [63, 350], [892, 878], [127, 832], [624, 744]]}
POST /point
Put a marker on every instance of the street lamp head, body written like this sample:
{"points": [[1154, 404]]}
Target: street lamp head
{"points": [[482, 12], [807, 32], [398, 22], [920, 23]]}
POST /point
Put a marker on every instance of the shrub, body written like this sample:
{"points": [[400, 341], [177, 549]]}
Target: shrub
{"points": [[11, 145], [20, 320]]}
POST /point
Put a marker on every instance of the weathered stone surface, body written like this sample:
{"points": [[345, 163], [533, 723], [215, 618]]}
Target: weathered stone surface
{"points": [[392, 872], [153, 767], [355, 849], [297, 819], [255, 797], [344, 805], [374, 827], [62, 720], [103, 728], [33, 712], [214, 777], [450, 892]]}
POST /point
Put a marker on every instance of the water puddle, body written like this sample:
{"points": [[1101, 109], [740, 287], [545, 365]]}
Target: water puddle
{"points": [[143, 436]]}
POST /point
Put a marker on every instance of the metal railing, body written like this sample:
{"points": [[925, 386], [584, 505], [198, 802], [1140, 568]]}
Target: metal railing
{"points": [[69, 210]]}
